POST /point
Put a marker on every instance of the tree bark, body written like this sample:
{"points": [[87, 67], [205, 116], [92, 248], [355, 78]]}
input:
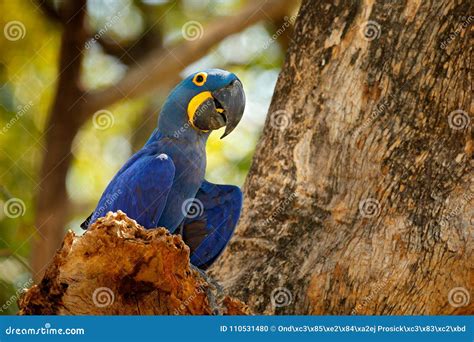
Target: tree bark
{"points": [[360, 196], [119, 268]]}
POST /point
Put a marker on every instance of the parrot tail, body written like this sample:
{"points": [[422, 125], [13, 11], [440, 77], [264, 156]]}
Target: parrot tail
{"points": [[85, 224]]}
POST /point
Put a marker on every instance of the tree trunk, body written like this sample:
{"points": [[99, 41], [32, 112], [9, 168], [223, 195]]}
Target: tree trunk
{"points": [[119, 268], [64, 122], [360, 196]]}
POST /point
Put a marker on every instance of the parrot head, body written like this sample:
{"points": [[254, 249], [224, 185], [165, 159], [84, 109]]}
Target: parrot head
{"points": [[206, 100]]}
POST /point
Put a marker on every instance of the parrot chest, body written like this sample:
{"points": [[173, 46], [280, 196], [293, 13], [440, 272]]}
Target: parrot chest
{"points": [[190, 165]]}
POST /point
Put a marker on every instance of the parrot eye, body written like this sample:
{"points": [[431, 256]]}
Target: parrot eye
{"points": [[200, 78]]}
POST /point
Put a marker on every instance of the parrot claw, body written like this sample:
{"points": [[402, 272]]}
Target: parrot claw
{"points": [[211, 282], [214, 290]]}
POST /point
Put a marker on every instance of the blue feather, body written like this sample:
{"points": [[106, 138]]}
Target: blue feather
{"points": [[209, 233], [140, 189]]}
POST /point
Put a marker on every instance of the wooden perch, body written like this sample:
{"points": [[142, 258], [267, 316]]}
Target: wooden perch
{"points": [[119, 268]]}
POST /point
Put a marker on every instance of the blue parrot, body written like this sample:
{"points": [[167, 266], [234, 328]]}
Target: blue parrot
{"points": [[163, 185]]}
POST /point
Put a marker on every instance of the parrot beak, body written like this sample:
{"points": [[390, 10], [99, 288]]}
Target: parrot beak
{"points": [[232, 101], [223, 107]]}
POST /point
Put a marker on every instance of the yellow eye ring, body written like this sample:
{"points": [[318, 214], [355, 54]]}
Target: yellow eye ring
{"points": [[200, 78]]}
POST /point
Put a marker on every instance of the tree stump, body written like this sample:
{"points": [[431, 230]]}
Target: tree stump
{"points": [[119, 268]]}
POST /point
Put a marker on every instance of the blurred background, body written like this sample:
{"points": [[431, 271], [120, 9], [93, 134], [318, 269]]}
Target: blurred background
{"points": [[73, 106]]}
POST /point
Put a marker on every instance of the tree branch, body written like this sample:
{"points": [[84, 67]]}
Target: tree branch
{"points": [[134, 51], [48, 9], [63, 123]]}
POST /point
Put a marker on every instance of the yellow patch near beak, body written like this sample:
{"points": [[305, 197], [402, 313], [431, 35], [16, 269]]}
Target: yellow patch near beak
{"points": [[194, 104]]}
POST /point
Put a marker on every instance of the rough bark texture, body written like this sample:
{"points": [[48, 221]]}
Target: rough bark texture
{"points": [[360, 196], [119, 268]]}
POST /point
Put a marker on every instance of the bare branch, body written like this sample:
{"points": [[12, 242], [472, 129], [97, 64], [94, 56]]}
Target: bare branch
{"points": [[133, 52], [63, 123], [5, 252], [164, 63], [48, 9]]}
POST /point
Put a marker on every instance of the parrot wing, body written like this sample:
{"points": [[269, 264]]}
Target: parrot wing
{"points": [[209, 229], [140, 189]]}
